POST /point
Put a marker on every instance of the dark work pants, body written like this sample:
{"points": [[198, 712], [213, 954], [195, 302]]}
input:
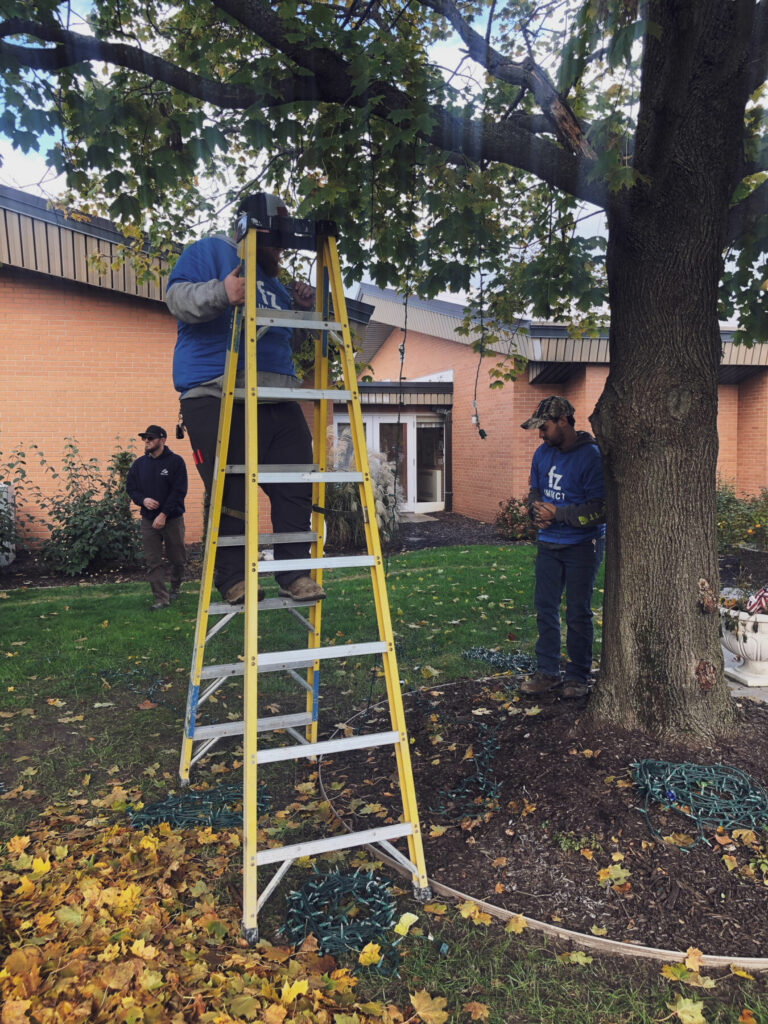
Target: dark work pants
{"points": [[284, 439], [170, 537], [572, 569]]}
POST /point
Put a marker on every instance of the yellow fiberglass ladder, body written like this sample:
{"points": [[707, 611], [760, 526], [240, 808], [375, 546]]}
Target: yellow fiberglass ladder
{"points": [[330, 322]]}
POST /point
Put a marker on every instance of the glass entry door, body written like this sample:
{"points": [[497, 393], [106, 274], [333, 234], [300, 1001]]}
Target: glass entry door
{"points": [[393, 443], [417, 444], [430, 467]]}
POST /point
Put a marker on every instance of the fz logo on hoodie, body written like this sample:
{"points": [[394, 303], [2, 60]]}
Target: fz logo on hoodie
{"points": [[553, 481]]}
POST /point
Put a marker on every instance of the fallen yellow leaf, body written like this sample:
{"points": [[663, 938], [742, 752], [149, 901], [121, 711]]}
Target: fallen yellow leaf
{"points": [[430, 1010], [405, 923], [369, 954]]}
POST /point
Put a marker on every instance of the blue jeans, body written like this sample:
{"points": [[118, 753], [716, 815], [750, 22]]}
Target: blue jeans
{"points": [[572, 569]]}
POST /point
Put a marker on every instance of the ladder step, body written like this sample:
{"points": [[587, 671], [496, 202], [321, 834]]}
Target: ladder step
{"points": [[299, 394], [374, 739], [236, 540], [276, 661], [341, 842], [221, 729], [307, 319], [298, 474], [336, 562], [271, 755], [267, 605]]}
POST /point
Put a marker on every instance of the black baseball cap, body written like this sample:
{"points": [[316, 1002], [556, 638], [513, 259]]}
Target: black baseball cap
{"points": [[152, 432]]}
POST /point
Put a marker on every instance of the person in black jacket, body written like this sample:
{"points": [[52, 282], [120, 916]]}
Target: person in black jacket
{"points": [[157, 483]]}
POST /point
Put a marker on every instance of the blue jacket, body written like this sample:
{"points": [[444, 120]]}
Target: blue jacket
{"points": [[201, 347], [163, 478], [572, 481]]}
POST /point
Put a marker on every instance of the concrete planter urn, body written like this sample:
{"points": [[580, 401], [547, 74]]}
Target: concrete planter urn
{"points": [[745, 635]]}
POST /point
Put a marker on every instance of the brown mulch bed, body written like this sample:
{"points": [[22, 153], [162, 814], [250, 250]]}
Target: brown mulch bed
{"points": [[565, 809]]}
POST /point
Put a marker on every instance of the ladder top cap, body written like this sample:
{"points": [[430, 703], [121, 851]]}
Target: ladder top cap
{"points": [[277, 229]]}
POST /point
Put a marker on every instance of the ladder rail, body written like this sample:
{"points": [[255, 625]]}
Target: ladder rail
{"points": [[383, 616], [250, 678], [211, 539]]}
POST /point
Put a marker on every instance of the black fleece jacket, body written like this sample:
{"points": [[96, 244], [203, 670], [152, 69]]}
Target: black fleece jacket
{"points": [[164, 479]]}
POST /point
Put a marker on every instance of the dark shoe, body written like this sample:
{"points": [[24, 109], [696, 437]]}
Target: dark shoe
{"points": [[158, 605], [173, 596], [573, 688], [302, 589], [539, 683], [236, 593]]}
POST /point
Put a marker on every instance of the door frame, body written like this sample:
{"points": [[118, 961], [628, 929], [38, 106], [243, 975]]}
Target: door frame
{"points": [[409, 420]]}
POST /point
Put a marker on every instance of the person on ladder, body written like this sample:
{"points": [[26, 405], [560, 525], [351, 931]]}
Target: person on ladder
{"points": [[203, 290]]}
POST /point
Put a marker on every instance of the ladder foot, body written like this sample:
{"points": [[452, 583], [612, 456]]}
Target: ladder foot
{"points": [[251, 935], [183, 782], [422, 893]]}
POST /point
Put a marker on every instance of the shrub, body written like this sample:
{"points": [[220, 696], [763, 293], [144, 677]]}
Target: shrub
{"points": [[741, 522], [513, 521], [90, 517], [344, 520], [13, 521]]}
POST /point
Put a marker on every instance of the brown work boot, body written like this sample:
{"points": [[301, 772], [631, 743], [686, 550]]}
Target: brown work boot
{"points": [[573, 688], [302, 589], [539, 683], [236, 593]]}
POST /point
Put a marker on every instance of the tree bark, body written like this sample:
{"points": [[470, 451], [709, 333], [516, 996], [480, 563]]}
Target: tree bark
{"points": [[656, 422]]}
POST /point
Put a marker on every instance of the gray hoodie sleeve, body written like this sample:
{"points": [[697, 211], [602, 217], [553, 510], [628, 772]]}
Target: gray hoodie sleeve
{"points": [[196, 302]]}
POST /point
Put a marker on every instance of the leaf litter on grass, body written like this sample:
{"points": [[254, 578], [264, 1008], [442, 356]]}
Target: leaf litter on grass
{"points": [[106, 924]]}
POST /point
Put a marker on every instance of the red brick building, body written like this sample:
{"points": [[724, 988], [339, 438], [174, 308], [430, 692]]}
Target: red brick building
{"points": [[86, 351], [87, 355], [471, 475]]}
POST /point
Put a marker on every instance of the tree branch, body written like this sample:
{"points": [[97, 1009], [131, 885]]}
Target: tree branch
{"points": [[527, 74], [329, 82], [73, 48]]}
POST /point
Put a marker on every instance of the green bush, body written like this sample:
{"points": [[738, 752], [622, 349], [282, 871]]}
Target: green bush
{"points": [[741, 522], [513, 521], [90, 517], [13, 521]]}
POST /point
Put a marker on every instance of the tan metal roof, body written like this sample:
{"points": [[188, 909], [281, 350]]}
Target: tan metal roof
{"points": [[551, 354], [88, 250]]}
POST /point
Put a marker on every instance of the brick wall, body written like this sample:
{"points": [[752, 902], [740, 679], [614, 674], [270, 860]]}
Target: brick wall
{"points": [[751, 440], [728, 432], [485, 472], [80, 362], [95, 366]]}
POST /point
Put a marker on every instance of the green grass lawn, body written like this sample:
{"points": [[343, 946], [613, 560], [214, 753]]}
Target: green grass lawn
{"points": [[92, 695], [67, 641]]}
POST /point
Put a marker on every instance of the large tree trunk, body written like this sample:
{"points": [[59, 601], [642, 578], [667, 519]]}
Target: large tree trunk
{"points": [[656, 422]]}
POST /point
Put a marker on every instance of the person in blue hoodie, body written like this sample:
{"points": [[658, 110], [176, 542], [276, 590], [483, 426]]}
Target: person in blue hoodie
{"points": [[566, 502], [204, 287]]}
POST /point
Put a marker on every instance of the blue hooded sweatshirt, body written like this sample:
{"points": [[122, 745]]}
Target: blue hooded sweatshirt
{"points": [[201, 348], [572, 481]]}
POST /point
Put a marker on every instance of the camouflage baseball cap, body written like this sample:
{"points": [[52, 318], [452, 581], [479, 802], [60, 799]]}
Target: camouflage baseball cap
{"points": [[551, 408]]}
